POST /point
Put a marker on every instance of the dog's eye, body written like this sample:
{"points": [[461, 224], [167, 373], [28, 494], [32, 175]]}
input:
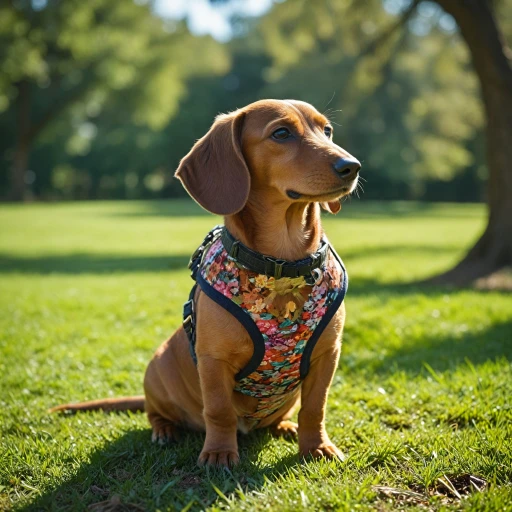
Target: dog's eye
{"points": [[328, 131], [281, 134]]}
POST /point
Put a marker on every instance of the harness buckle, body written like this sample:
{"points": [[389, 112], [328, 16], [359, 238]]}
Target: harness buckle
{"points": [[195, 261], [279, 268], [188, 316], [210, 236], [188, 324], [277, 271], [198, 254], [233, 252]]}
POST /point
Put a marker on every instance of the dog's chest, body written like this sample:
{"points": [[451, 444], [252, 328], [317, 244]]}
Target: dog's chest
{"points": [[284, 315]]}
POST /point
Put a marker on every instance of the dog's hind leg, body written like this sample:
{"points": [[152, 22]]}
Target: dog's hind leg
{"points": [[173, 396], [282, 426], [285, 428], [164, 430], [163, 414]]}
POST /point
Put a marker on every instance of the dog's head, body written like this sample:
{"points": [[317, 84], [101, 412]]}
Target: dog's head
{"points": [[283, 148]]}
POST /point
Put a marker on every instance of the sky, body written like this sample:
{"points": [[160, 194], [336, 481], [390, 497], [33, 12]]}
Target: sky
{"points": [[205, 18]]}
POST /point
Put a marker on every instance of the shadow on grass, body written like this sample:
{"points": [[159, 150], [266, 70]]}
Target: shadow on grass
{"points": [[398, 251], [440, 351], [92, 263], [131, 473], [185, 207], [365, 287], [444, 353], [360, 287], [163, 208]]}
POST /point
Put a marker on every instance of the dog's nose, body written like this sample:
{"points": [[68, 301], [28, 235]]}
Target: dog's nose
{"points": [[347, 167]]}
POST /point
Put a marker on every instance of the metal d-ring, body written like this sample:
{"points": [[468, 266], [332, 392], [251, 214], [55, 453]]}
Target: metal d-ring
{"points": [[317, 275]]}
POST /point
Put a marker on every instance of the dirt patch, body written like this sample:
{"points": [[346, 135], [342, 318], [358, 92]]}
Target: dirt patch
{"points": [[114, 504], [402, 496], [459, 486], [448, 489], [187, 480]]}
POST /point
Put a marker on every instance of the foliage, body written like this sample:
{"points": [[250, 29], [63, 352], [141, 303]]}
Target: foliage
{"points": [[97, 73], [123, 110], [421, 400], [408, 110]]}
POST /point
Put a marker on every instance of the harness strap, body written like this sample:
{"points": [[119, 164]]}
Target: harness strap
{"points": [[189, 311], [189, 322], [260, 264], [274, 267]]}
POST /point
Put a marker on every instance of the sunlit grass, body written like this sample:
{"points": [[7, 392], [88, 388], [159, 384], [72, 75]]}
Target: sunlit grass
{"points": [[88, 291]]}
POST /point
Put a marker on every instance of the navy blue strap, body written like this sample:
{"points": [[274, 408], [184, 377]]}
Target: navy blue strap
{"points": [[244, 318], [189, 316], [331, 311], [189, 313], [189, 321]]}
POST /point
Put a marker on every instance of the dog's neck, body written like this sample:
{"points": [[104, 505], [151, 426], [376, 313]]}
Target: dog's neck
{"points": [[277, 228]]}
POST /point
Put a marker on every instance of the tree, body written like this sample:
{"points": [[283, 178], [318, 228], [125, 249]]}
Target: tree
{"points": [[492, 62], [70, 58], [491, 59]]}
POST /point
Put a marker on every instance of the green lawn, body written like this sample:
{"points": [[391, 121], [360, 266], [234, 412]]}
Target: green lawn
{"points": [[421, 403]]}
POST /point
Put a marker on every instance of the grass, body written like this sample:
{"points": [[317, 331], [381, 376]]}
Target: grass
{"points": [[421, 403]]}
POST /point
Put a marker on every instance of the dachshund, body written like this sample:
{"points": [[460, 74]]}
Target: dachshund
{"points": [[268, 168]]}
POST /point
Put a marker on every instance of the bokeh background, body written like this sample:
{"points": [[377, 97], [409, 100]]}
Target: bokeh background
{"points": [[101, 99]]}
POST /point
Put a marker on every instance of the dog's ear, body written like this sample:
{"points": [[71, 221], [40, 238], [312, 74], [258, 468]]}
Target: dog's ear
{"points": [[331, 206], [214, 173]]}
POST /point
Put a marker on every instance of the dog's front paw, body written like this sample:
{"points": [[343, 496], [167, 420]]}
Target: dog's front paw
{"points": [[224, 458], [326, 449]]}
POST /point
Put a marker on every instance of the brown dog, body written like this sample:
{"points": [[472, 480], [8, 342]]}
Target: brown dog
{"points": [[267, 168]]}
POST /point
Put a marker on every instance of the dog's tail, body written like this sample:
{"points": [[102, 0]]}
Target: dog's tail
{"points": [[126, 403]]}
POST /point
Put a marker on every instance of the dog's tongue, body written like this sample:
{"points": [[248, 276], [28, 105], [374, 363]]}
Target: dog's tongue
{"points": [[332, 206]]}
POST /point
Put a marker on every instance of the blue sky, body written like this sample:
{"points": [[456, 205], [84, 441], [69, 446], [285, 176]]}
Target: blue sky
{"points": [[205, 18]]}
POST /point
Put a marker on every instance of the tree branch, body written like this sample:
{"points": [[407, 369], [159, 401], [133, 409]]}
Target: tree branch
{"points": [[386, 34], [480, 29]]}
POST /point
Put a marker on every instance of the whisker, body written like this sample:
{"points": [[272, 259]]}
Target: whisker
{"points": [[332, 97]]}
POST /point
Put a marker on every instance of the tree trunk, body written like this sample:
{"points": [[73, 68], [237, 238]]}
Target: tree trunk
{"points": [[491, 60], [23, 143]]}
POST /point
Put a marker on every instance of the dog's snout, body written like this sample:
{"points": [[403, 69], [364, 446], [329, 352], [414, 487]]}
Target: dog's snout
{"points": [[347, 167]]}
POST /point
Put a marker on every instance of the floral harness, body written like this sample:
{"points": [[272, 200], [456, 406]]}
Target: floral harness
{"points": [[283, 336]]}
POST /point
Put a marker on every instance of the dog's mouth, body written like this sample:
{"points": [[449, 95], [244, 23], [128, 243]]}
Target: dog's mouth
{"points": [[328, 196]]}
